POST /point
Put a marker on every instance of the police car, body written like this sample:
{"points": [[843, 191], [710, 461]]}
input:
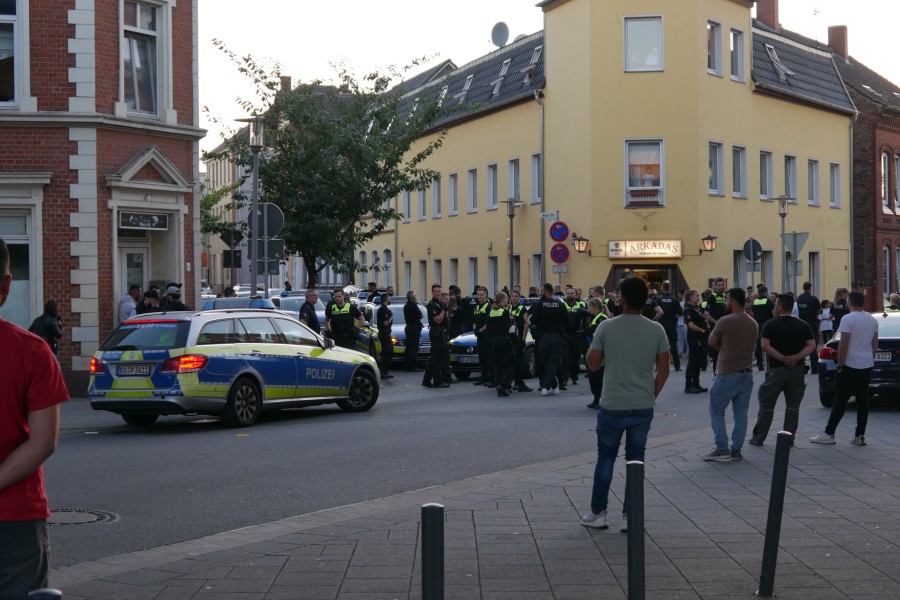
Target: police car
{"points": [[229, 363]]}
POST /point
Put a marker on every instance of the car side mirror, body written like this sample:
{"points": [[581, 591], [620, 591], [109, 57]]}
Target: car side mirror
{"points": [[329, 343]]}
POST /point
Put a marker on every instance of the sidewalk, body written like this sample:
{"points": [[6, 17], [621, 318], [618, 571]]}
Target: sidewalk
{"points": [[516, 534]]}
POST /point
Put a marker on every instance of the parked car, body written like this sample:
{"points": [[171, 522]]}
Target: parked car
{"points": [[229, 363], [886, 374], [205, 288], [291, 305], [367, 340], [464, 356], [245, 302]]}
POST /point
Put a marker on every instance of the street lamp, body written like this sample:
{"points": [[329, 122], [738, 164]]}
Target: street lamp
{"points": [[256, 124], [581, 244], [782, 212], [511, 206], [708, 243]]}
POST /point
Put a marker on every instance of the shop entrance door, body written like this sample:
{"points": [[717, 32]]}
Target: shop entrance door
{"points": [[134, 267], [654, 275]]}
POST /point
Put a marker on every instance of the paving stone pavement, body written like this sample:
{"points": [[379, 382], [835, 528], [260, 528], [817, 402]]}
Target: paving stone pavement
{"points": [[515, 534]]}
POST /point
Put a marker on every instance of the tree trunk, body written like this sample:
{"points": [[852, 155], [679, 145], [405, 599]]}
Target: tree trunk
{"points": [[312, 275]]}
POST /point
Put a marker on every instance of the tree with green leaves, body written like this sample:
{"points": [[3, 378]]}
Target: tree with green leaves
{"points": [[336, 157]]}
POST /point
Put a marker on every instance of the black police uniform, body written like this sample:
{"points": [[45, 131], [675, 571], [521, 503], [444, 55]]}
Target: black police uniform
{"points": [[343, 321], [695, 341], [484, 351], [716, 309], [763, 311], [548, 317], [595, 378], [413, 329], [499, 322], [437, 371], [838, 310], [308, 313], [383, 320], [809, 307], [649, 308], [671, 308], [574, 344], [518, 342]]}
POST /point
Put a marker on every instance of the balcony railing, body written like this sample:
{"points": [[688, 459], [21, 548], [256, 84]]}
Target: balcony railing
{"points": [[641, 197]]}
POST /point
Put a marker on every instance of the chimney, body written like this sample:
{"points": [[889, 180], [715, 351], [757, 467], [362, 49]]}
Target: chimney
{"points": [[285, 83], [767, 13], [837, 40]]}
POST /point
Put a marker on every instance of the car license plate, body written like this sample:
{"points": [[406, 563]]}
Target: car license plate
{"points": [[424, 349], [884, 356], [133, 370], [468, 359]]}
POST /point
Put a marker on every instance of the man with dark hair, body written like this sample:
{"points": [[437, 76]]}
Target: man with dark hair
{"points": [[629, 347], [228, 293], [173, 298], [734, 339], [439, 358], [413, 330], [671, 311], [384, 318], [717, 307], [787, 341], [485, 360], [150, 303], [855, 360], [809, 308], [32, 390], [128, 302], [548, 316]]}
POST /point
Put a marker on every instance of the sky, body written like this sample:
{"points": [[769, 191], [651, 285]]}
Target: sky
{"points": [[305, 36]]}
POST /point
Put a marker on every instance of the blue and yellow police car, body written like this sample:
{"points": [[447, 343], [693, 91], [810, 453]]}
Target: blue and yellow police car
{"points": [[228, 363]]}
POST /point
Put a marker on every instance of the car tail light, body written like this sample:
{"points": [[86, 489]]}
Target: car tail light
{"points": [[828, 353], [189, 363], [96, 367]]}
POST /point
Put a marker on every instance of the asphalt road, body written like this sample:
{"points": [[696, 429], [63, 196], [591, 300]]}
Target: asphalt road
{"points": [[186, 477]]}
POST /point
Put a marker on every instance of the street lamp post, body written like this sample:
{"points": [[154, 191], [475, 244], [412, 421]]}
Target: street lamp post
{"points": [[511, 206], [782, 212], [256, 144]]}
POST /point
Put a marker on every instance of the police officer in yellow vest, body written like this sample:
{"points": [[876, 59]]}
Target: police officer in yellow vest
{"points": [[574, 344], [499, 325], [520, 316], [341, 319], [597, 314], [481, 313]]}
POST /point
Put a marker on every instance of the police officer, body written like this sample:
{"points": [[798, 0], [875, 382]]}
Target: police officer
{"points": [[308, 314], [342, 320], [671, 310], [697, 327], [439, 359], [651, 309], [481, 313], [413, 329], [384, 319], [809, 308], [456, 313], [763, 309], [574, 346], [597, 314], [548, 316], [716, 309], [469, 304], [499, 324], [520, 316]]}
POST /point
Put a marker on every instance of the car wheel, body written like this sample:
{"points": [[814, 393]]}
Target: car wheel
{"points": [[363, 392], [140, 420], [244, 404], [463, 374], [529, 364], [826, 398]]}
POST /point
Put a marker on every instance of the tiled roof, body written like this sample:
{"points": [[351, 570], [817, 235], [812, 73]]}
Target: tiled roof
{"points": [[425, 77], [802, 71], [465, 97], [869, 83]]}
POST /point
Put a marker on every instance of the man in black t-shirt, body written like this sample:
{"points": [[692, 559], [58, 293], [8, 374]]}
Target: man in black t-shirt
{"points": [[809, 308], [438, 367], [384, 319], [671, 310], [787, 341], [413, 330], [651, 309]]}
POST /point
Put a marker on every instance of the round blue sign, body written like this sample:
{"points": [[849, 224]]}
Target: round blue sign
{"points": [[559, 231], [559, 253]]}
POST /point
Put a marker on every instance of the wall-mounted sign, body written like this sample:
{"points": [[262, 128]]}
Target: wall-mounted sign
{"points": [[131, 220], [645, 249]]}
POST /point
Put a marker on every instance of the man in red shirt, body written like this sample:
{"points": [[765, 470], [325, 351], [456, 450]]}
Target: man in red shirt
{"points": [[30, 393]]}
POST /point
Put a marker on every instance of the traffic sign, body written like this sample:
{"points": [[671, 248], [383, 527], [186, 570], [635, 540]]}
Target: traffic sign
{"points": [[550, 216], [231, 238], [231, 259], [559, 253], [752, 250], [560, 268], [271, 220], [276, 249], [559, 231], [793, 242]]}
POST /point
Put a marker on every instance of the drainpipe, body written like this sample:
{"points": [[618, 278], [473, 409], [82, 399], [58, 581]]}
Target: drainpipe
{"points": [[395, 259], [853, 276], [537, 98]]}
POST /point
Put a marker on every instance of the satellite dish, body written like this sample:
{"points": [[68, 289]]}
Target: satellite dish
{"points": [[500, 34], [521, 36]]}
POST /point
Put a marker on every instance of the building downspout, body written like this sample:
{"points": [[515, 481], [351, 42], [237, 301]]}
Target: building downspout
{"points": [[853, 277], [537, 98], [395, 259]]}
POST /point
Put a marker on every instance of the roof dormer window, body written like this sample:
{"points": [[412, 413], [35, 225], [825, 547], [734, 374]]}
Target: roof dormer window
{"points": [[462, 95], [780, 68]]}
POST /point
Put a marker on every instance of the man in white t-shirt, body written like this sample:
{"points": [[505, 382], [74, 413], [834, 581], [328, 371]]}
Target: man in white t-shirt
{"points": [[855, 360]]}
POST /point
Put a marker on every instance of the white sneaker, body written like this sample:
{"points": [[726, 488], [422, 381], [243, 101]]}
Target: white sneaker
{"points": [[859, 440], [554, 391], [624, 527], [545, 392], [822, 438], [600, 521]]}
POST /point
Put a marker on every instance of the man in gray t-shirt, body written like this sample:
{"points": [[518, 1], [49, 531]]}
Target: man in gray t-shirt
{"points": [[629, 347]]}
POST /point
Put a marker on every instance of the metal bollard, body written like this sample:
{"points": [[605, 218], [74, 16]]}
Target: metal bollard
{"points": [[432, 552], [776, 508], [45, 594], [634, 490]]}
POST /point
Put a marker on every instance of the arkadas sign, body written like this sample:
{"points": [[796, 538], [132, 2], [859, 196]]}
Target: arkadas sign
{"points": [[645, 249]]}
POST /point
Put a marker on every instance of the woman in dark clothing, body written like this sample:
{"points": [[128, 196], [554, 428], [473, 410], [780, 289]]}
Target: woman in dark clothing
{"points": [[499, 324], [47, 326]]}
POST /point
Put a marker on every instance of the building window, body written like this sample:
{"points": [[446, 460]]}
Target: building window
{"points": [[644, 173], [713, 48], [407, 275], [897, 182], [812, 183], [834, 178], [363, 268], [140, 57], [388, 266], [897, 268], [376, 266], [436, 198], [17, 230], [790, 177], [406, 209], [737, 55], [512, 180], [493, 276], [422, 199], [885, 184], [454, 270], [537, 270], [492, 193], [885, 271], [472, 191], [716, 169], [453, 194], [643, 44], [765, 175], [739, 171], [537, 178], [473, 272], [8, 54], [437, 267]]}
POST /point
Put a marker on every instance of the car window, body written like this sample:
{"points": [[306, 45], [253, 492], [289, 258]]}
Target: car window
{"points": [[148, 335], [216, 332], [295, 333], [293, 304], [888, 327], [260, 331]]}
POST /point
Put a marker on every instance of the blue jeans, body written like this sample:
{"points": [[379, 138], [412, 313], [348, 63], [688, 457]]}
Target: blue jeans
{"points": [[736, 389], [611, 425]]}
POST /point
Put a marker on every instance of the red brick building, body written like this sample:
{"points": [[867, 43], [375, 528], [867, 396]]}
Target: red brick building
{"points": [[99, 158]]}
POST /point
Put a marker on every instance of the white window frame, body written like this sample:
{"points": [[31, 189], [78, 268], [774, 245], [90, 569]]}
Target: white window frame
{"points": [[436, 198], [812, 181], [407, 276], [423, 199], [473, 272], [885, 179], [22, 98], [165, 109], [453, 194], [472, 190], [537, 269], [738, 70], [659, 189], [717, 171], [886, 270], [537, 175], [437, 268], [493, 275], [23, 195], [897, 267], [388, 259], [897, 182], [767, 167], [834, 178], [714, 48], [363, 268], [790, 177], [739, 171], [424, 286], [406, 207], [375, 267], [629, 68], [453, 270], [512, 180], [492, 194]]}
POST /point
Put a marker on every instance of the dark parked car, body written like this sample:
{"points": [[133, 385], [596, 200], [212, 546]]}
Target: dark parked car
{"points": [[886, 374]]}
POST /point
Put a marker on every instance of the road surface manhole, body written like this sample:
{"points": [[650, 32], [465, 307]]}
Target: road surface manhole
{"points": [[80, 516]]}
